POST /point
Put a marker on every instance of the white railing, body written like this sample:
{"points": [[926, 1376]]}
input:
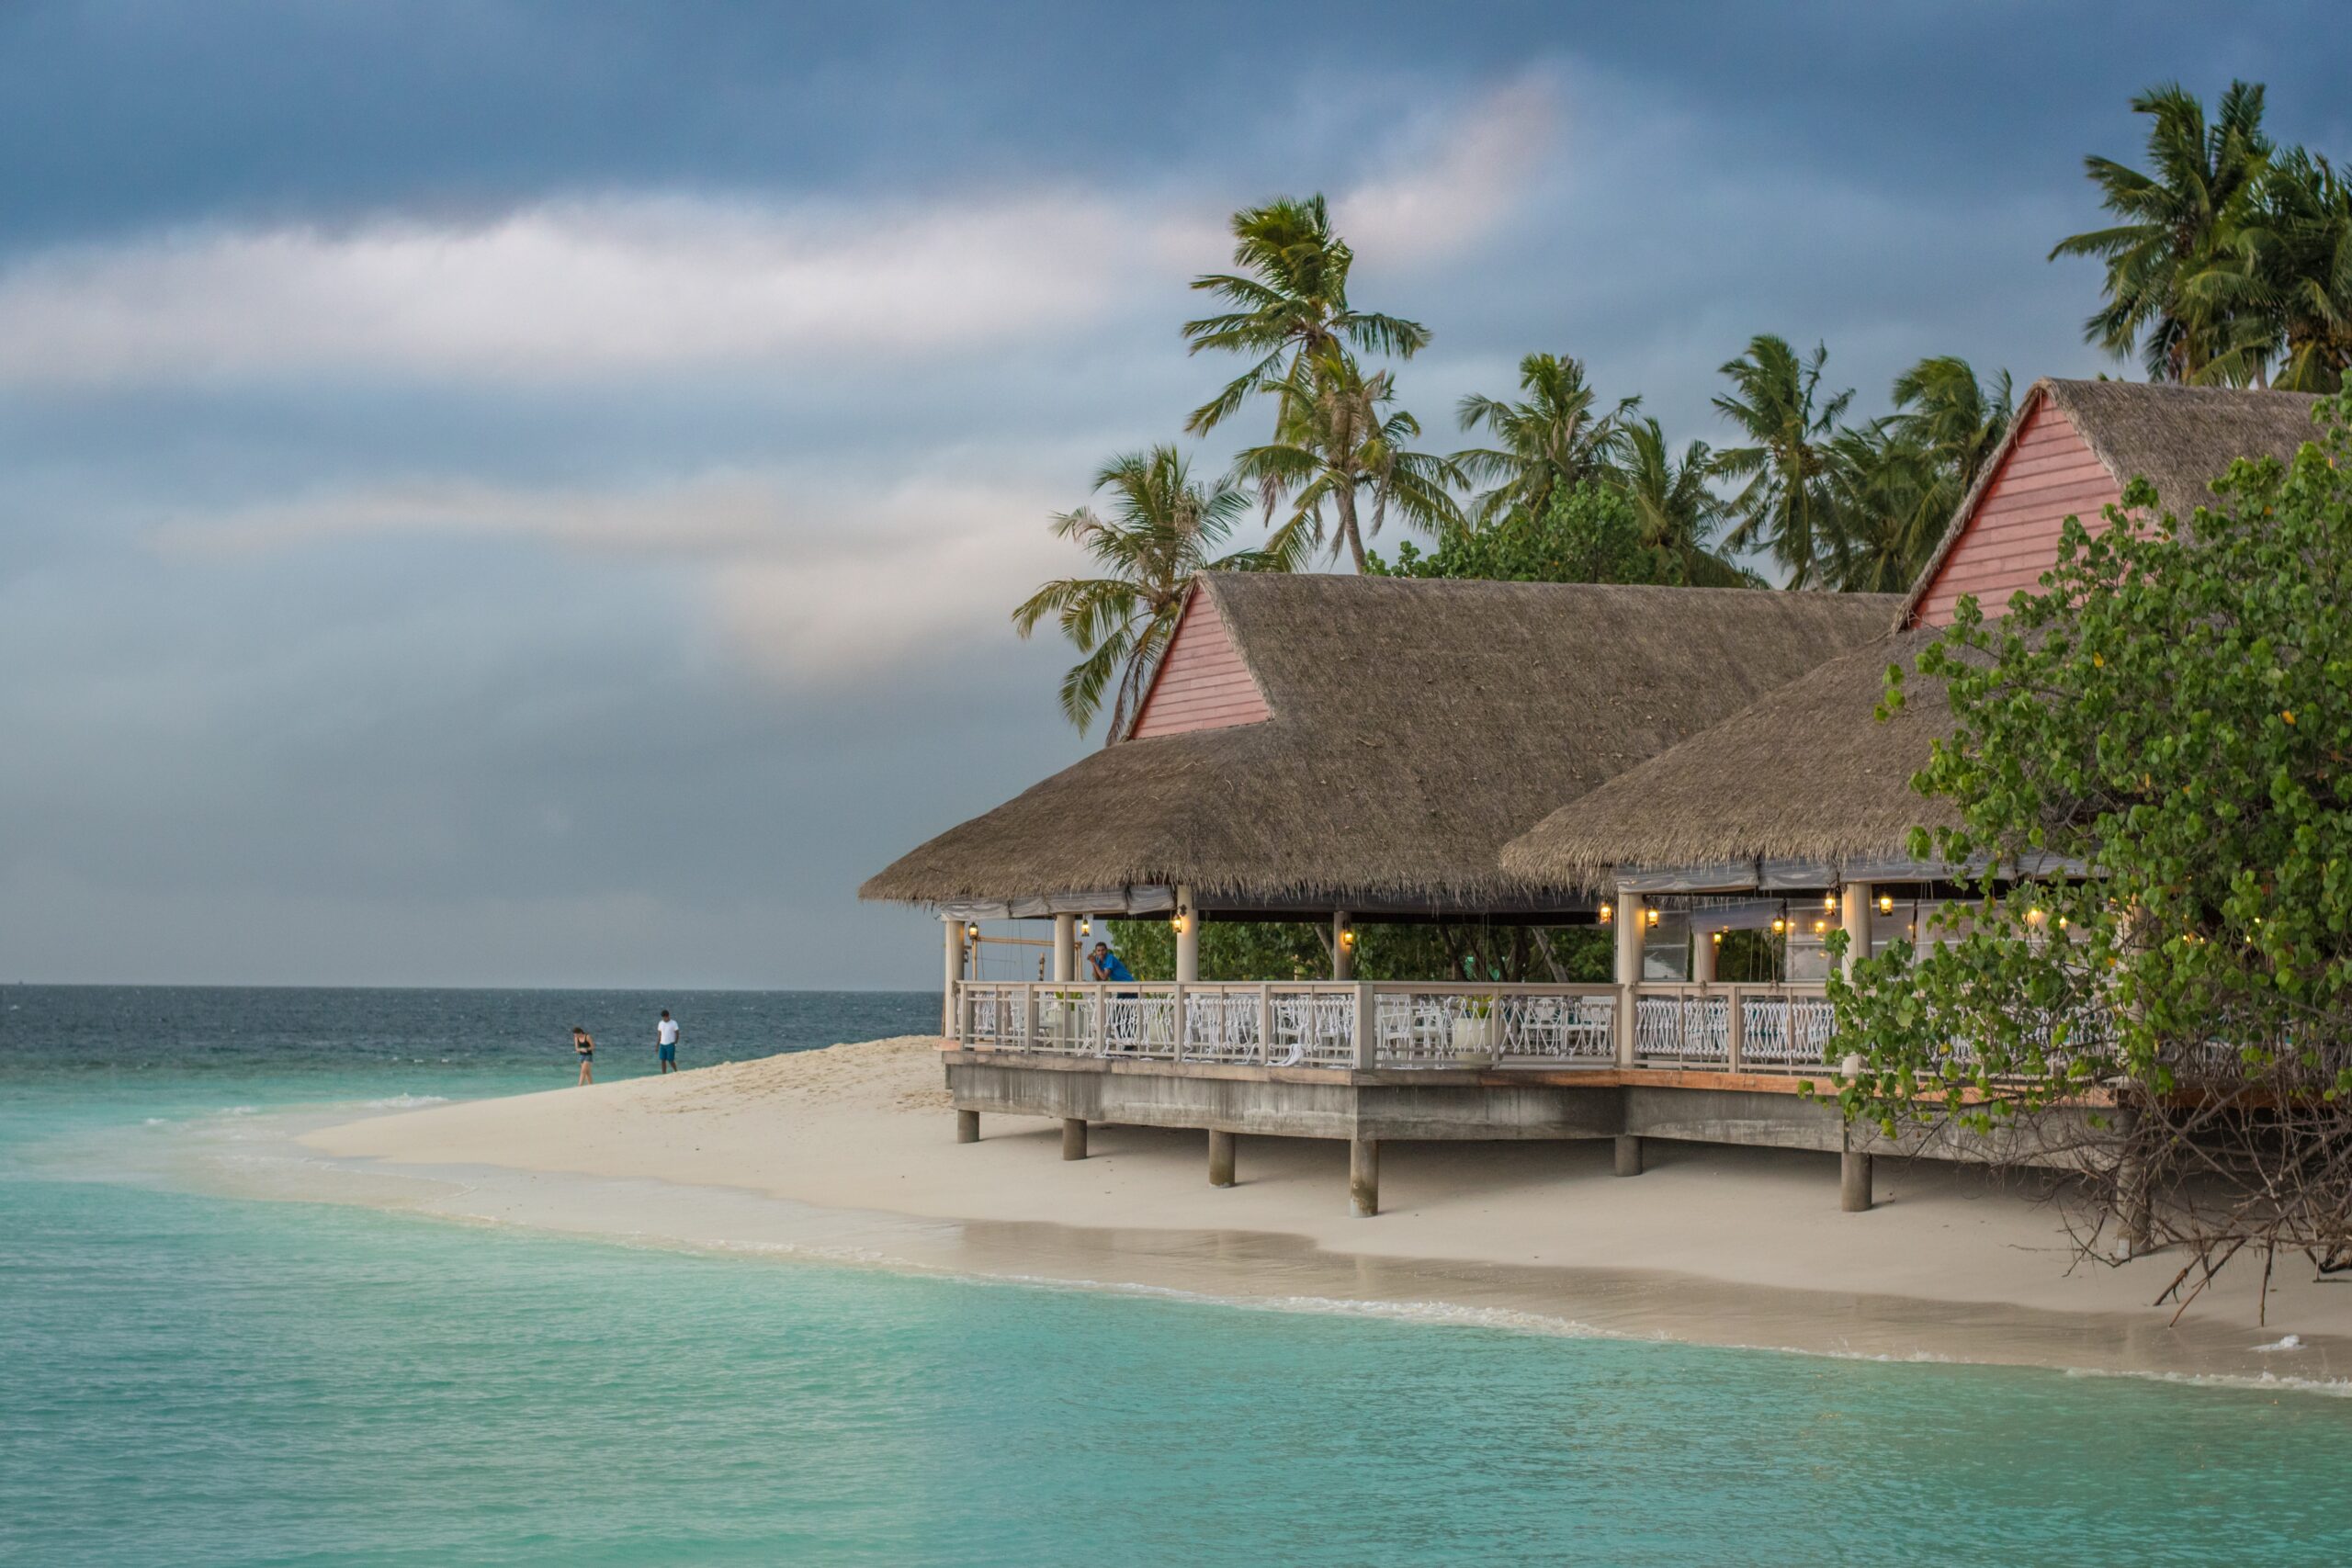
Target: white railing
{"points": [[1295, 1023], [1732, 1027]]}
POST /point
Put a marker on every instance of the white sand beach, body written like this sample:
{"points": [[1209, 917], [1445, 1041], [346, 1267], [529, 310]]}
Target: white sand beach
{"points": [[852, 1150]]}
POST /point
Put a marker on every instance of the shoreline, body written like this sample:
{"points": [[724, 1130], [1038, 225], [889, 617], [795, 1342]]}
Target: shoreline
{"points": [[847, 1155]]}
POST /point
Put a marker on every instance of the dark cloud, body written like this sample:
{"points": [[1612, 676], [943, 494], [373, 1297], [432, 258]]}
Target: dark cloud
{"points": [[332, 660]]}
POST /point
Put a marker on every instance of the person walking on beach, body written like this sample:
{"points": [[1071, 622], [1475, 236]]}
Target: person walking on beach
{"points": [[587, 1049], [665, 1037]]}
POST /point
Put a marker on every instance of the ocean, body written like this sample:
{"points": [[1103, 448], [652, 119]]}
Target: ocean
{"points": [[187, 1378]]}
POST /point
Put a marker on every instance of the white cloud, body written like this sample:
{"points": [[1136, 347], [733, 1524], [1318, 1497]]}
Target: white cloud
{"points": [[583, 287], [805, 575], [1454, 180]]}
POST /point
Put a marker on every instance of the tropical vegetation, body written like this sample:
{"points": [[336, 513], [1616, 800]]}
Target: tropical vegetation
{"points": [[2227, 261], [2167, 713]]}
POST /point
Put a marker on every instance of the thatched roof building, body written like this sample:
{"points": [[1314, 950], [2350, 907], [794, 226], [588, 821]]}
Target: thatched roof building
{"points": [[1371, 743], [1787, 793], [1804, 788], [2070, 451]]}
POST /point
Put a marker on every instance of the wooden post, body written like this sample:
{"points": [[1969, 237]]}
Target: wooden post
{"points": [[1028, 1018], [955, 932], [1735, 1029], [968, 1126], [1364, 1177], [1102, 1019], [1856, 912], [1188, 936], [1176, 1017], [1343, 955], [1629, 974], [1220, 1159], [1367, 1028], [1853, 1182], [1073, 1138], [1629, 1155], [1065, 948], [1265, 1022]]}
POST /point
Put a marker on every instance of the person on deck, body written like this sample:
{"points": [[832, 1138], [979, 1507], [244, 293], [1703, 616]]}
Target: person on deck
{"points": [[666, 1038], [587, 1049], [1107, 965]]}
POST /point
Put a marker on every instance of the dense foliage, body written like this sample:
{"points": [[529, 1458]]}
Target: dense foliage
{"points": [[2171, 714], [1253, 950]]}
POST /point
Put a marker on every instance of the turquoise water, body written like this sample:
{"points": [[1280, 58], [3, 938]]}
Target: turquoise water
{"points": [[198, 1380]]}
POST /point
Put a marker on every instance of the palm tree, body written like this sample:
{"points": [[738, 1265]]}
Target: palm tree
{"points": [[1679, 512], [2289, 268], [1290, 306], [1785, 506], [2174, 222], [1553, 441], [1942, 409], [1891, 497], [1161, 532], [1336, 445]]}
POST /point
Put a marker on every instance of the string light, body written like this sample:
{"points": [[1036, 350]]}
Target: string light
{"points": [[1819, 926]]}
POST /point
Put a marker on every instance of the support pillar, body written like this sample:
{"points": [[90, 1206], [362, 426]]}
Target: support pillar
{"points": [[1703, 953], [1856, 912], [1064, 967], [1073, 1138], [1629, 1155], [1344, 947], [1364, 1177], [1220, 1159], [968, 1126], [1854, 1182], [1628, 917], [955, 973], [1188, 937]]}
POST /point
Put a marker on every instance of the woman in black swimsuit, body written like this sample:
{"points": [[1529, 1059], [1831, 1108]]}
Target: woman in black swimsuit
{"points": [[587, 1049]]}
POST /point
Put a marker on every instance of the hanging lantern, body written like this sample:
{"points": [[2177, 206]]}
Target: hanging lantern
{"points": [[1086, 928], [1177, 923], [1607, 913], [1718, 938], [1779, 924], [1886, 903], [1649, 917], [1348, 939]]}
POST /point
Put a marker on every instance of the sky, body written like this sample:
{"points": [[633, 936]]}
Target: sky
{"points": [[532, 494]]}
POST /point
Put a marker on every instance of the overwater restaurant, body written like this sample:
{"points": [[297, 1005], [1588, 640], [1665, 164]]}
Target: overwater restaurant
{"points": [[1674, 763]]}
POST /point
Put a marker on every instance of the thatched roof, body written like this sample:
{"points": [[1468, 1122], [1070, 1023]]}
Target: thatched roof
{"points": [[2179, 439], [1417, 726], [1803, 774]]}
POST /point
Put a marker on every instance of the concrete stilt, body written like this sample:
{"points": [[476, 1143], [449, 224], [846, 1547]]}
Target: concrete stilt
{"points": [[1629, 1155], [1364, 1177], [1220, 1159], [968, 1126], [1853, 1182], [1073, 1138]]}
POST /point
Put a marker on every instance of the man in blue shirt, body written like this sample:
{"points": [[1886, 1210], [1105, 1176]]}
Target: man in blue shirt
{"points": [[1107, 964]]}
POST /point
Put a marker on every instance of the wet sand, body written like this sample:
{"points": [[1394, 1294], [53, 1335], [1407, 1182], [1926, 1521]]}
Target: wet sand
{"points": [[850, 1155]]}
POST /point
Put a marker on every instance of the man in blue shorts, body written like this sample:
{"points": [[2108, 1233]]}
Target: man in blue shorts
{"points": [[665, 1037]]}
